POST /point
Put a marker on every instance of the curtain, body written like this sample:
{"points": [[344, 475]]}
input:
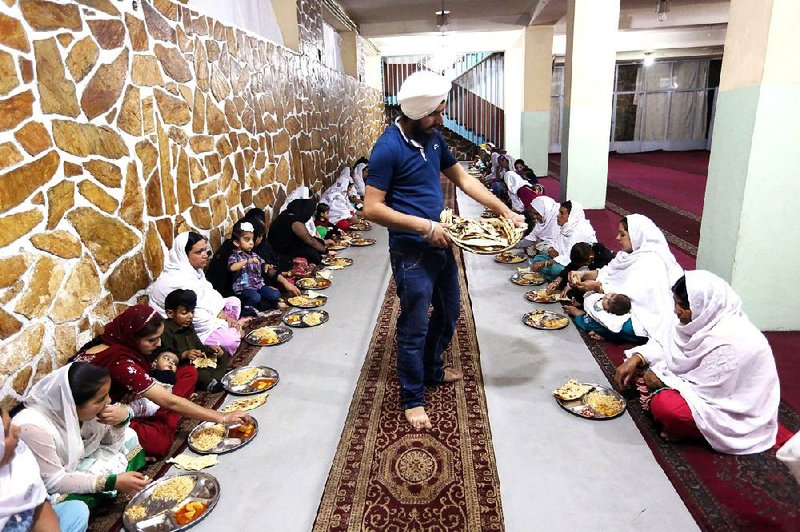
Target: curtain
{"points": [[332, 46], [254, 15]]}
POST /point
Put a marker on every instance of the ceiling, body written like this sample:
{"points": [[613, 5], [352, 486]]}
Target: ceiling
{"points": [[387, 18]]}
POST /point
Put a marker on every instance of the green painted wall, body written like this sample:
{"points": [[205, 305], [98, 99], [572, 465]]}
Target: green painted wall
{"points": [[750, 234], [536, 140]]}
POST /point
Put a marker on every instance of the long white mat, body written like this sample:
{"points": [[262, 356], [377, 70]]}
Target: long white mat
{"points": [[557, 471]]}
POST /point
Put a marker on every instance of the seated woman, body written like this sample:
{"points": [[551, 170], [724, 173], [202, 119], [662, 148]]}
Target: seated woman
{"points": [[644, 270], [215, 318], [519, 191], [65, 424], [574, 228], [342, 212], [714, 378], [23, 497], [125, 349], [289, 237], [360, 173], [544, 211]]}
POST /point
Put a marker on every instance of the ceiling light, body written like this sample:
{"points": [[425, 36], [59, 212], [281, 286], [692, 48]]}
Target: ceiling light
{"points": [[443, 19], [649, 59], [662, 8]]}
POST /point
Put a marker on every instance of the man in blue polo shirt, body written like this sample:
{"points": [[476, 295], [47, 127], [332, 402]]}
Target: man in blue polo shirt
{"points": [[404, 194]]}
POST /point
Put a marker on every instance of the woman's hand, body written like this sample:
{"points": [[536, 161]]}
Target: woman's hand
{"points": [[627, 371], [131, 482], [590, 286], [552, 252], [191, 354], [290, 288], [552, 287], [218, 350], [113, 415], [236, 418], [652, 381], [230, 320], [536, 266]]}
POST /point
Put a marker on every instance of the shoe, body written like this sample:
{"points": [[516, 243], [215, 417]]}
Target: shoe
{"points": [[214, 386]]}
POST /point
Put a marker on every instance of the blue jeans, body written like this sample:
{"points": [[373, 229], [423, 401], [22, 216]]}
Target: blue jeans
{"points": [[424, 277], [73, 516], [263, 299], [624, 336]]}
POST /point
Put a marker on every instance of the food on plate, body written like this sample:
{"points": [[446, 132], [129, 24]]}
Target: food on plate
{"points": [[362, 242], [265, 336], [136, 513], [528, 278], [241, 431], [604, 404], [207, 438], [488, 235], [294, 319], [310, 282], [337, 263], [546, 320], [244, 376], [313, 318], [175, 489], [248, 403], [305, 301], [263, 383], [572, 390], [189, 512], [509, 257], [541, 296]]}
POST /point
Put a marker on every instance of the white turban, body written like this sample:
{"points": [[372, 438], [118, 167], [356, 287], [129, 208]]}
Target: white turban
{"points": [[421, 93]]}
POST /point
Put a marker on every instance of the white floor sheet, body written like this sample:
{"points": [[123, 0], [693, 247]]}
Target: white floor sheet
{"points": [[557, 471], [275, 483]]}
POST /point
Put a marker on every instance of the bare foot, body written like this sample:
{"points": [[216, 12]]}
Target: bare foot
{"points": [[244, 321], [451, 375], [282, 305], [594, 336], [418, 418]]}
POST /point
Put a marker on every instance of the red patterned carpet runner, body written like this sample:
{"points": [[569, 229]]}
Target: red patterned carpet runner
{"points": [[723, 492], [386, 476]]}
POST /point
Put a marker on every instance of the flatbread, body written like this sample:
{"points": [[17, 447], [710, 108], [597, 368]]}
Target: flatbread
{"points": [[194, 463], [483, 236], [572, 390], [247, 403]]}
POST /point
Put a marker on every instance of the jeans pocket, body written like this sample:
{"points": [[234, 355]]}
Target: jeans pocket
{"points": [[406, 261]]}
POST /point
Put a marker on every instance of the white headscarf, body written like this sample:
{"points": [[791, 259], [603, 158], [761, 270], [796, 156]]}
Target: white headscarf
{"points": [[179, 273], [514, 182], [421, 93], [358, 179], [645, 275], [49, 406], [577, 229], [21, 486], [547, 230], [336, 197], [724, 368]]}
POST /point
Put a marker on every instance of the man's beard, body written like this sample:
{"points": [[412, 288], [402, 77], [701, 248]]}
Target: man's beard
{"points": [[419, 134]]}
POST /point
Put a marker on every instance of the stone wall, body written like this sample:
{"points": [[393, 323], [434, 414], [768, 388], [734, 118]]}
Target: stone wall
{"points": [[120, 127]]}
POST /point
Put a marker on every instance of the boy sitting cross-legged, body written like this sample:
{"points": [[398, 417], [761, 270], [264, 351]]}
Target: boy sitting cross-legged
{"points": [[181, 338]]}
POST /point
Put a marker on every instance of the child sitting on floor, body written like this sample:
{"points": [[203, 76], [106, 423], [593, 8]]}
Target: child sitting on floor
{"points": [[582, 256], [247, 268], [180, 337], [325, 229], [595, 303]]}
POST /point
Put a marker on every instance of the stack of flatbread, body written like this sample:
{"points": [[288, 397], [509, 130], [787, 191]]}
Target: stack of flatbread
{"points": [[571, 390], [484, 237]]}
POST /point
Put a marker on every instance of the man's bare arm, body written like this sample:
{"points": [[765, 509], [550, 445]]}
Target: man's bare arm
{"points": [[475, 190]]}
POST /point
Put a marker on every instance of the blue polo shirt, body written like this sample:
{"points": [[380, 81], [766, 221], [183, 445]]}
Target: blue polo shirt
{"points": [[409, 174]]}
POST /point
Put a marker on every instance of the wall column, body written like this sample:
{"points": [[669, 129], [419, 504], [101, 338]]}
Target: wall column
{"points": [[286, 14], [751, 221], [350, 53], [536, 98], [589, 79]]}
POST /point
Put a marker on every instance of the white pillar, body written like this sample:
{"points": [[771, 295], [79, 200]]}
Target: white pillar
{"points": [[750, 233], [538, 75], [589, 83]]}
